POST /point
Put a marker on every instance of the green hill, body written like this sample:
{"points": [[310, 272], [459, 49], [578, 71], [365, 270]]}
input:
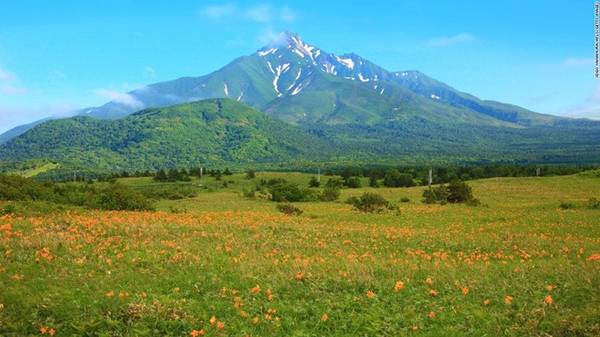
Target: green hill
{"points": [[211, 131]]}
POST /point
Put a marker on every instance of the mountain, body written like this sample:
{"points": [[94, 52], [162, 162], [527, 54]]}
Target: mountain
{"points": [[210, 131], [344, 107], [302, 84]]}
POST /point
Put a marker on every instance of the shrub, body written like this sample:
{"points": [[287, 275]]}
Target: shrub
{"points": [[283, 191], [373, 182], [459, 191], [566, 205], [289, 209], [250, 174], [330, 194], [455, 192], [393, 178], [8, 209], [334, 183], [314, 182], [370, 202], [593, 203], [404, 199], [352, 182], [434, 195], [119, 198]]}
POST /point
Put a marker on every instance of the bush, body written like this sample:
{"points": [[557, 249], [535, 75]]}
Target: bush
{"points": [[352, 182], [434, 195], [8, 209], [373, 182], [456, 192], [250, 174], [459, 191], [289, 209], [393, 178], [283, 191], [370, 203], [314, 182], [330, 194], [566, 205], [404, 199], [119, 198], [593, 203]]}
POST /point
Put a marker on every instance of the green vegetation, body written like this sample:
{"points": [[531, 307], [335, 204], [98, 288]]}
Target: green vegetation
{"points": [[521, 266], [369, 202]]}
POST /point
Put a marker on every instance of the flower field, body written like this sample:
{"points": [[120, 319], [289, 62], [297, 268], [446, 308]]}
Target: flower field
{"points": [[222, 265]]}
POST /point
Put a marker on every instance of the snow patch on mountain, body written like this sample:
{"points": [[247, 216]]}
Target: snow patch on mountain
{"points": [[436, 97], [267, 52], [346, 62], [362, 79], [226, 89]]}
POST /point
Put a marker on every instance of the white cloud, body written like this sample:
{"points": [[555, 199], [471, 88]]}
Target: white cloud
{"points": [[7, 76], [8, 83], [219, 11], [590, 108], [262, 13], [120, 97], [9, 89], [287, 14], [149, 72], [449, 41], [575, 62]]}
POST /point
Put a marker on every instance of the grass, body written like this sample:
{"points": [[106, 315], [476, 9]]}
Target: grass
{"points": [[518, 265]]}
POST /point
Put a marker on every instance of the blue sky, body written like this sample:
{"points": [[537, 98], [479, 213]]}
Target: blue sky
{"points": [[56, 56]]}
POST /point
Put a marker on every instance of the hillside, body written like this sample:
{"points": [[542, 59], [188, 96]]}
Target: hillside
{"points": [[210, 131]]}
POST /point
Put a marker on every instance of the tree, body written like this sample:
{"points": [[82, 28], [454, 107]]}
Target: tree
{"points": [[393, 178], [314, 182], [161, 176], [250, 174]]}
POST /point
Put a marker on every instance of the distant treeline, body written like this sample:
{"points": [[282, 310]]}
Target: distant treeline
{"points": [[417, 174], [96, 196]]}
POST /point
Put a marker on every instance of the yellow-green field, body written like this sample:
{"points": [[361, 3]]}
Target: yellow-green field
{"points": [[221, 264]]}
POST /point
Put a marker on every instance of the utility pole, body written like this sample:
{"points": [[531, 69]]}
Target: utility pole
{"points": [[538, 172], [430, 180], [200, 171], [319, 174]]}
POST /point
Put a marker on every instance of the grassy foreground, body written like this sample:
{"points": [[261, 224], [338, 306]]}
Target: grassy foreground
{"points": [[219, 264]]}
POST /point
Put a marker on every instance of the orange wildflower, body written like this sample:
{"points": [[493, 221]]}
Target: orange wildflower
{"points": [[109, 293], [594, 257], [370, 294], [255, 320], [300, 276], [431, 314], [220, 326], [255, 290], [213, 321], [487, 302], [197, 333], [465, 290], [429, 281], [325, 317], [269, 295], [550, 287], [548, 300], [508, 299], [433, 292], [398, 286]]}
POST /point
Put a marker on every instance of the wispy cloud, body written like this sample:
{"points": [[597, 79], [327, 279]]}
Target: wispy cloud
{"points": [[9, 83], [7, 76], [219, 11], [590, 108], [261, 13], [449, 41], [149, 72], [575, 62], [119, 97], [12, 90]]}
